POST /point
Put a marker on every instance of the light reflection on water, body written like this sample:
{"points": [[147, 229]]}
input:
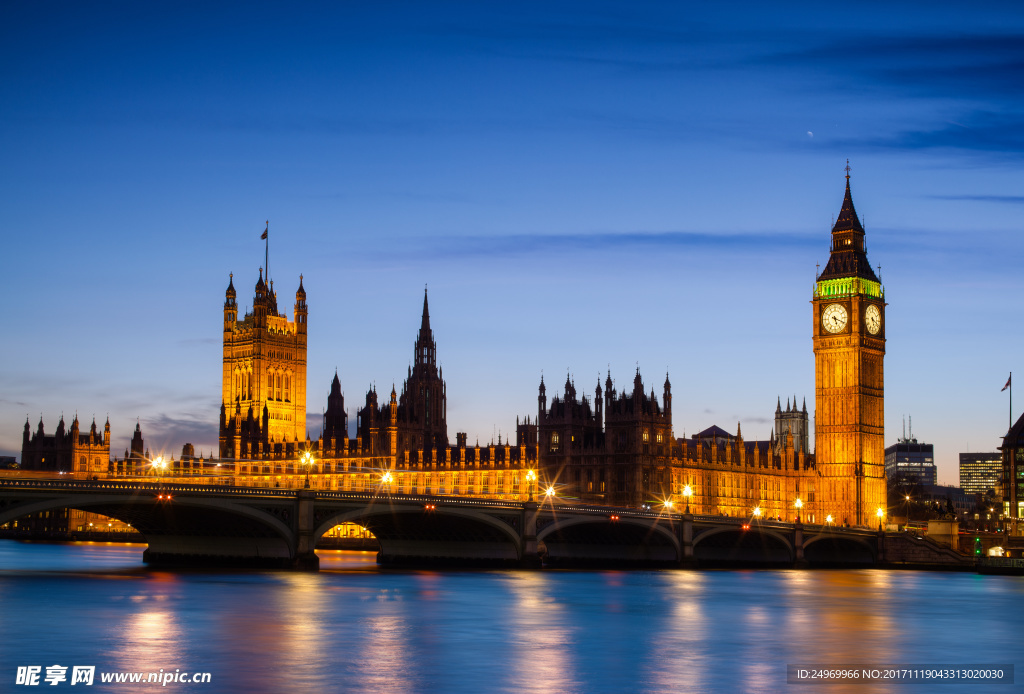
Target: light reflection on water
{"points": [[354, 627]]}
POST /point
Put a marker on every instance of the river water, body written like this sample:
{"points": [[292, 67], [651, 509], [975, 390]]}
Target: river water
{"points": [[353, 627]]}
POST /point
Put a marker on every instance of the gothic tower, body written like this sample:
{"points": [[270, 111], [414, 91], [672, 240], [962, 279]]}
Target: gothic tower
{"points": [[264, 368], [423, 406], [849, 345]]}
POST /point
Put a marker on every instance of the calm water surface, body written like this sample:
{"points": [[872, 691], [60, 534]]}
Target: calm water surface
{"points": [[356, 628]]}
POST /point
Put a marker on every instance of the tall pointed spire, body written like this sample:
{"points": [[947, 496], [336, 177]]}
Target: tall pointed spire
{"points": [[847, 220], [426, 348], [848, 257], [425, 322]]}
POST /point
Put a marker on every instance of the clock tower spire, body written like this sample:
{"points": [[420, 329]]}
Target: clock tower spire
{"points": [[849, 347]]}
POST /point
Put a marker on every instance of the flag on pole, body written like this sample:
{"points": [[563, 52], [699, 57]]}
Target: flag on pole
{"points": [[265, 232], [1007, 383]]}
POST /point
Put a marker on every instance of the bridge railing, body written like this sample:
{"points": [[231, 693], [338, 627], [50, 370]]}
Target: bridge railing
{"points": [[227, 490]]}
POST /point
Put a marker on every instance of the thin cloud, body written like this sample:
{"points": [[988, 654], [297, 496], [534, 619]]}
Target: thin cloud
{"points": [[982, 131], [531, 244], [1010, 199]]}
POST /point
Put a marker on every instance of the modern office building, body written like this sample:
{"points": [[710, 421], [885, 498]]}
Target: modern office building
{"points": [[980, 472], [911, 461]]}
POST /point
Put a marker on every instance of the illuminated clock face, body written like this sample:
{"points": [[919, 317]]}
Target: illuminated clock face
{"points": [[833, 318], [873, 319]]}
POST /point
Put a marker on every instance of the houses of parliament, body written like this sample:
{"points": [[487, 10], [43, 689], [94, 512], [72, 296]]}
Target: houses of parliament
{"points": [[617, 448]]}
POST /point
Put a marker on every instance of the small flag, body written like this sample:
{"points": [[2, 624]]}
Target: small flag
{"points": [[264, 236], [1007, 383]]}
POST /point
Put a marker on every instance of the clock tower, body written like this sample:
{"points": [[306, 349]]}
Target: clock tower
{"points": [[849, 346]]}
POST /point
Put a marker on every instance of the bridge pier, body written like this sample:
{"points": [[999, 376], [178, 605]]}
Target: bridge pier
{"points": [[798, 546], [686, 560], [530, 558], [304, 555]]}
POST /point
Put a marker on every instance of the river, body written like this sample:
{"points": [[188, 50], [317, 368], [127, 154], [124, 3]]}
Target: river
{"points": [[353, 627]]}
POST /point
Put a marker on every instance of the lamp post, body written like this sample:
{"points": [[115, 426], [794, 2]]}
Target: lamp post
{"points": [[881, 514], [906, 528], [550, 492], [307, 462], [687, 493], [799, 505], [757, 512], [530, 477]]}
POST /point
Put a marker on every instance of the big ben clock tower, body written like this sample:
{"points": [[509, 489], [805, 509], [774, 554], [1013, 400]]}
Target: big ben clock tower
{"points": [[849, 346]]}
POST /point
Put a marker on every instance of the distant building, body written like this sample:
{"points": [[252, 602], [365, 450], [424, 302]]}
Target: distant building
{"points": [[980, 472], [1013, 471], [66, 451], [8, 462], [912, 461], [791, 421]]}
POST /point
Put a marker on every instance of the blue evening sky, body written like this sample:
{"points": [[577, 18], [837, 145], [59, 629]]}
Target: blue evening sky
{"points": [[583, 186]]}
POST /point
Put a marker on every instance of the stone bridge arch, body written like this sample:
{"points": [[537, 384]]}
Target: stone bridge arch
{"points": [[597, 539], [732, 544], [410, 533], [839, 549], [183, 529]]}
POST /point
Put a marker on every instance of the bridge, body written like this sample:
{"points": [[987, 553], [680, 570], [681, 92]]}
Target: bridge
{"points": [[217, 525]]}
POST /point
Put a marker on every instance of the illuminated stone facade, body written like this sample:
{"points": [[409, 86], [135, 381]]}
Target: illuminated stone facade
{"points": [[849, 347], [263, 385], [401, 446], [620, 451]]}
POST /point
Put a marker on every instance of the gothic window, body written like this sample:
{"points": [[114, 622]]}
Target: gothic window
{"points": [[659, 437], [647, 436], [288, 387], [82, 465]]}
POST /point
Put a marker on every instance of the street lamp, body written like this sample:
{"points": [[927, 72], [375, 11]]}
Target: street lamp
{"points": [[799, 505], [549, 492], [757, 512], [668, 505], [687, 493], [159, 465], [906, 528], [828, 519], [530, 477], [881, 514], [307, 462]]}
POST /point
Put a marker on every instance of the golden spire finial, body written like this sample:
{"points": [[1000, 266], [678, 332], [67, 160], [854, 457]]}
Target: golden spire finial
{"points": [[847, 170]]}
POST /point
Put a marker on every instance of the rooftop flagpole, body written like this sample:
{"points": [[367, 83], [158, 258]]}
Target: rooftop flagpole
{"points": [[1009, 384], [266, 254]]}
